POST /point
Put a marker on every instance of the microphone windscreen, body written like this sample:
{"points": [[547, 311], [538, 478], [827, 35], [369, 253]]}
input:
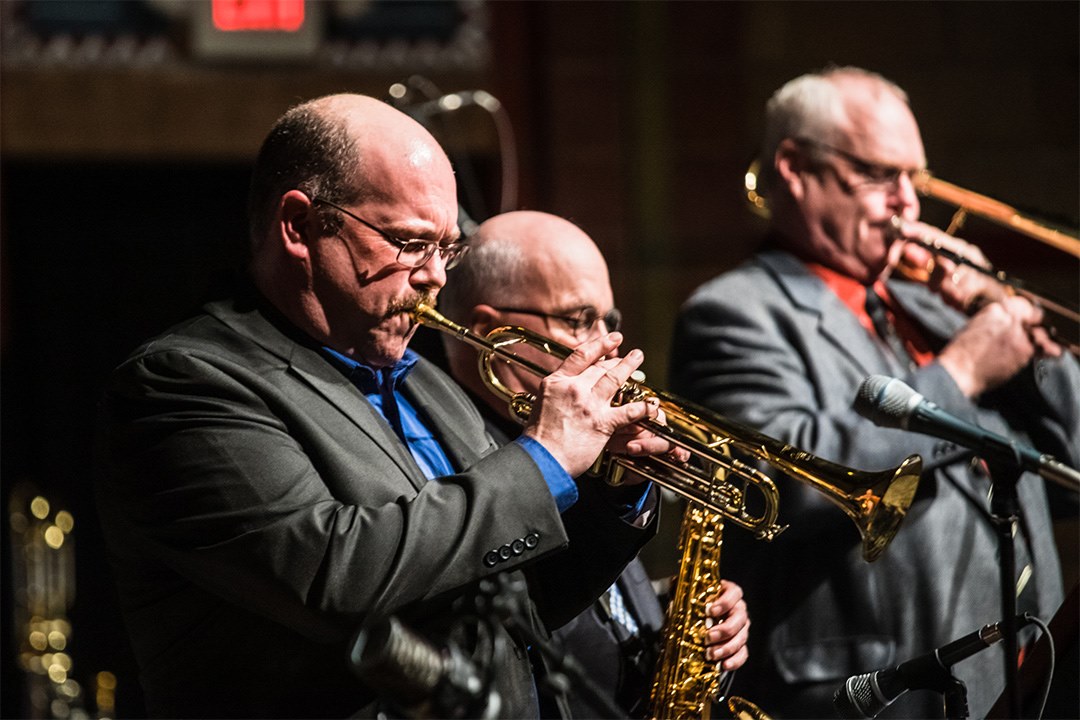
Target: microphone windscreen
{"points": [[854, 698], [885, 401], [395, 662]]}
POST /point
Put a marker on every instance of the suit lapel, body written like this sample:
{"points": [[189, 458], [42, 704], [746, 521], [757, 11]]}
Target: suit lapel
{"points": [[925, 309], [462, 455], [311, 368], [835, 323]]}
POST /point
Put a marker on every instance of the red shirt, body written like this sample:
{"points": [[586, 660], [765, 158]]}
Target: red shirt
{"points": [[853, 294]]}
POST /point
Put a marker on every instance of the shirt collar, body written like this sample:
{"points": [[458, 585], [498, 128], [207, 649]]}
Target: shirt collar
{"points": [[369, 379]]}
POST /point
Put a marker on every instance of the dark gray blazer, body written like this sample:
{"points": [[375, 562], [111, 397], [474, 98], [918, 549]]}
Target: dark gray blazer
{"points": [[258, 509], [769, 345], [618, 664]]}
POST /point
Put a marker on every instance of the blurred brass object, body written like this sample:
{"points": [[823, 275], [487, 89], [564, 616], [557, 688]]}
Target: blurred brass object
{"points": [[969, 202], [742, 709], [758, 204], [1013, 286], [875, 501]]}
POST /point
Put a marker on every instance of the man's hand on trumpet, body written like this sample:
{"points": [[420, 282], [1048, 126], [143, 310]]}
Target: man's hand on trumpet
{"points": [[574, 418]]}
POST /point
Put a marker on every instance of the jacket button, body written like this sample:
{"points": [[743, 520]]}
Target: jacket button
{"points": [[491, 559], [505, 552], [518, 546], [532, 540]]}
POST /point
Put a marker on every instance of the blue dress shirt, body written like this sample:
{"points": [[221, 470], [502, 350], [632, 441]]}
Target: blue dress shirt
{"points": [[382, 388]]}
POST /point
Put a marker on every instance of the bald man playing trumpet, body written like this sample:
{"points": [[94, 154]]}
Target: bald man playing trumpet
{"points": [[543, 273]]}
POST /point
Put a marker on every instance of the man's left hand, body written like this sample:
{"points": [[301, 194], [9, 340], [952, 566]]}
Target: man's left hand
{"points": [[725, 640]]}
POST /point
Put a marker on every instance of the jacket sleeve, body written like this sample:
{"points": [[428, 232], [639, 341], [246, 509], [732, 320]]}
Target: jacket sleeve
{"points": [[212, 470]]}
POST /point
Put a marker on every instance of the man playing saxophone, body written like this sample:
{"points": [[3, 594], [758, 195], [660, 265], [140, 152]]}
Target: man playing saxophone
{"points": [[782, 342], [543, 273]]}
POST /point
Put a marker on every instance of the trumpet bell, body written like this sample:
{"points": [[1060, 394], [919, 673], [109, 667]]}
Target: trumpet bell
{"points": [[716, 477]]}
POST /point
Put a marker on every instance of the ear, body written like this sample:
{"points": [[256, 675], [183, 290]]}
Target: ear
{"points": [[790, 163], [298, 223], [483, 319]]}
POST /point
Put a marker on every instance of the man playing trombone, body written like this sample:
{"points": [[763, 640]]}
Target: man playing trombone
{"points": [[782, 342]]}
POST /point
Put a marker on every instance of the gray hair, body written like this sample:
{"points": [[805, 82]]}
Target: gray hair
{"points": [[810, 106], [492, 272], [306, 150]]}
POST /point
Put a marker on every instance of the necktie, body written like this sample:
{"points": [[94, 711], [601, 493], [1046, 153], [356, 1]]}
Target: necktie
{"points": [[618, 611], [875, 308]]}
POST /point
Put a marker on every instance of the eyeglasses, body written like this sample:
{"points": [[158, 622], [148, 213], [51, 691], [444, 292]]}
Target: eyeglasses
{"points": [[580, 323], [413, 252], [886, 177]]}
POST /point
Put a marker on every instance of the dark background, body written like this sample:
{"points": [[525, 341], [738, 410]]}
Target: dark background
{"points": [[122, 184]]}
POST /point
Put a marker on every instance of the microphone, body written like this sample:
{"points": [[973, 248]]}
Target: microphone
{"points": [[865, 696], [889, 402], [419, 678]]}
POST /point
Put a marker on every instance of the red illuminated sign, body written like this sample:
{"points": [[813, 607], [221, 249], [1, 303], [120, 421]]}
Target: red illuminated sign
{"points": [[235, 15]]}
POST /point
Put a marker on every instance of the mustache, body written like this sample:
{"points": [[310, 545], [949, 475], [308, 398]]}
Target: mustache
{"points": [[408, 303]]}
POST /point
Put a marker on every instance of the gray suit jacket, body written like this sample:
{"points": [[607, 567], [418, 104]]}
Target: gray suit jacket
{"points": [[769, 345], [258, 510]]}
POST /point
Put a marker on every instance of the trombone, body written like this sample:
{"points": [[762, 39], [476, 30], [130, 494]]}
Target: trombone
{"points": [[967, 203], [875, 501]]}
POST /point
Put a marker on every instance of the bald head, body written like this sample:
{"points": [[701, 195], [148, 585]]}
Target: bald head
{"points": [[338, 180], [343, 148], [525, 254], [524, 261]]}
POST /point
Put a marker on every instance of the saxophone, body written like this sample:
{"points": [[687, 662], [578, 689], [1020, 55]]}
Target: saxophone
{"points": [[685, 684]]}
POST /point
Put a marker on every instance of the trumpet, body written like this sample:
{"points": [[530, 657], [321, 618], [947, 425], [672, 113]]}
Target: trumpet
{"points": [[875, 501]]}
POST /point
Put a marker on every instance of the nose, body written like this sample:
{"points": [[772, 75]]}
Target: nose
{"points": [[904, 198], [431, 275]]}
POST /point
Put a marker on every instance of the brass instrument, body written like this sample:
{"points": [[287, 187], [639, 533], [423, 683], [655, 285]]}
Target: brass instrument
{"points": [[876, 501], [1012, 285], [685, 684], [967, 203]]}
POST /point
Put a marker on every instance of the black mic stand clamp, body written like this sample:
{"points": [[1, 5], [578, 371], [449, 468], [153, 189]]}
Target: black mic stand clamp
{"points": [[928, 673], [956, 704]]}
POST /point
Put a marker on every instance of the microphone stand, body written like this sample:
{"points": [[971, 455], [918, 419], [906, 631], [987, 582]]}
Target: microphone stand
{"points": [[504, 594], [1005, 512]]}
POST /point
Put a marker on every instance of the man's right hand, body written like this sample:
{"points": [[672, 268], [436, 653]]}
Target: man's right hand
{"points": [[573, 417]]}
